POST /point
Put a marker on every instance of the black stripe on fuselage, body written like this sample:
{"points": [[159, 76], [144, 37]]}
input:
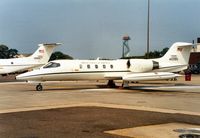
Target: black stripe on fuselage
{"points": [[81, 72]]}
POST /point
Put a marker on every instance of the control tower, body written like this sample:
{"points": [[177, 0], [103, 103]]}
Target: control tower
{"points": [[125, 46]]}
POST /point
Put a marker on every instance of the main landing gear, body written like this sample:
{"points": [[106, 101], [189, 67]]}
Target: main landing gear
{"points": [[125, 84], [111, 84], [39, 87]]}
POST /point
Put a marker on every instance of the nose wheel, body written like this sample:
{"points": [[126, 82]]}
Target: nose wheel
{"points": [[39, 87]]}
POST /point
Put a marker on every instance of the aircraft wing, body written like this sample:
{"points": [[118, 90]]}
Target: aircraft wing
{"points": [[149, 76], [114, 75]]}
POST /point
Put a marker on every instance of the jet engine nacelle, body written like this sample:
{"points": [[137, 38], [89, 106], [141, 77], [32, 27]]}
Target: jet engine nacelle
{"points": [[143, 65]]}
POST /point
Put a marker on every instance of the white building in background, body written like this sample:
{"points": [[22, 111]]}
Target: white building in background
{"points": [[195, 54], [196, 49]]}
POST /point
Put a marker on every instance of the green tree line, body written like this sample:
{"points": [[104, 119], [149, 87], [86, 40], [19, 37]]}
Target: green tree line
{"points": [[152, 54], [5, 52]]}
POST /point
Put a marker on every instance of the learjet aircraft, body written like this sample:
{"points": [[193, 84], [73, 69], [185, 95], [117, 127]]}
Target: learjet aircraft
{"points": [[127, 70]]}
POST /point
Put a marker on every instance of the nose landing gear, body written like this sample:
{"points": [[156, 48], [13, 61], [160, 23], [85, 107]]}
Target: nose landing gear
{"points": [[39, 87]]}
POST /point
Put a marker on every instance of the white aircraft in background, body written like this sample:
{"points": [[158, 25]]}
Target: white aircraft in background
{"points": [[37, 59], [175, 60]]}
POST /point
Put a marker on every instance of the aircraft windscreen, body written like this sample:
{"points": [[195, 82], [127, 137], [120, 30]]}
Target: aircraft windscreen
{"points": [[52, 65]]}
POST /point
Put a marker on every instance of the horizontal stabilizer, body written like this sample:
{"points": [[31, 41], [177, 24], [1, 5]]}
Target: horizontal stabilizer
{"points": [[50, 44]]}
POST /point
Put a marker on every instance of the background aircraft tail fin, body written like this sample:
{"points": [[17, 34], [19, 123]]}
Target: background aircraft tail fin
{"points": [[43, 53]]}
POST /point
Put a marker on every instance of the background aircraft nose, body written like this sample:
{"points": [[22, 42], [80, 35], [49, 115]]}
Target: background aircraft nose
{"points": [[18, 77]]}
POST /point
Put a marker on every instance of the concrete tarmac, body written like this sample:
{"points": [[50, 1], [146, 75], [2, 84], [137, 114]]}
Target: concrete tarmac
{"points": [[23, 108]]}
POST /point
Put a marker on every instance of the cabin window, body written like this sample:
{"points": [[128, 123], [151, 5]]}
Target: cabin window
{"points": [[88, 66], [11, 62], [96, 66], [111, 66], [104, 66], [80, 66], [52, 65]]}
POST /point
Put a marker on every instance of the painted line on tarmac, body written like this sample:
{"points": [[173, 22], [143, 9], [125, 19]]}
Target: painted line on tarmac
{"points": [[193, 88], [182, 87], [117, 106]]}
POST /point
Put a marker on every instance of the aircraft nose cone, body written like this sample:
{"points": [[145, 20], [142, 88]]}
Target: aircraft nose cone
{"points": [[29, 76], [21, 76]]}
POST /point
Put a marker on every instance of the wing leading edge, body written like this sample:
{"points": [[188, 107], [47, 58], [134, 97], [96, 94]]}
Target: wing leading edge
{"points": [[149, 76]]}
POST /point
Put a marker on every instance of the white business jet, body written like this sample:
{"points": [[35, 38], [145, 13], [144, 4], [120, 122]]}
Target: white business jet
{"points": [[175, 60], [37, 59]]}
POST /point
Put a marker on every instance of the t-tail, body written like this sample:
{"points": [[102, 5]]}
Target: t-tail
{"points": [[177, 56], [43, 53]]}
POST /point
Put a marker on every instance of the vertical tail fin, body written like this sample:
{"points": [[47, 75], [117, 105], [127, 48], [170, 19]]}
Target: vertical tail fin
{"points": [[179, 53], [43, 53]]}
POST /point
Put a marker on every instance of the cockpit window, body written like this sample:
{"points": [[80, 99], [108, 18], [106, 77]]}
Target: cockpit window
{"points": [[52, 65]]}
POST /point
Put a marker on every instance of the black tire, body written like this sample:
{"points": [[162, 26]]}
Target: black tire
{"points": [[39, 87], [111, 84]]}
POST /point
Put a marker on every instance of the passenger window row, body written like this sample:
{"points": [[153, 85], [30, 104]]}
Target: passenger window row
{"points": [[95, 66]]}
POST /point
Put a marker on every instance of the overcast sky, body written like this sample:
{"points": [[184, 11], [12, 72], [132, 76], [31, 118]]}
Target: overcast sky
{"points": [[94, 28]]}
